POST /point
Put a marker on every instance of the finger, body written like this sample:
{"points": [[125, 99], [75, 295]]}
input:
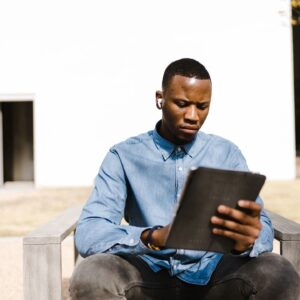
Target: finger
{"points": [[237, 227], [239, 238], [238, 215], [252, 206]]}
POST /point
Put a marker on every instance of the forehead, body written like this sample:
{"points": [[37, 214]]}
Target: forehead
{"points": [[189, 85]]}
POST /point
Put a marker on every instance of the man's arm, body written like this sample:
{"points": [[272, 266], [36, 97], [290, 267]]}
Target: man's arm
{"points": [[99, 228]]}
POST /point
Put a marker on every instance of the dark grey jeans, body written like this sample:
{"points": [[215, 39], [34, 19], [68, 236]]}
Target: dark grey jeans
{"points": [[112, 277]]}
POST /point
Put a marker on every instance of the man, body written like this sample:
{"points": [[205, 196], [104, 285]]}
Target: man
{"points": [[141, 179]]}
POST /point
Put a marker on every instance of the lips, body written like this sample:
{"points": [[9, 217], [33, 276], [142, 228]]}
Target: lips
{"points": [[189, 130]]}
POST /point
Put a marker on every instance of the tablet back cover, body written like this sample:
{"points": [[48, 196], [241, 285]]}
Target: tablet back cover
{"points": [[204, 190]]}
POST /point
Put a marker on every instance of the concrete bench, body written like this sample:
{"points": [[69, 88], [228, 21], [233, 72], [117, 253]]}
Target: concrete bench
{"points": [[43, 263]]}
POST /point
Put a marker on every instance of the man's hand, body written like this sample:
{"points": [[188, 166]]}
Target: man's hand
{"points": [[159, 236], [243, 228]]}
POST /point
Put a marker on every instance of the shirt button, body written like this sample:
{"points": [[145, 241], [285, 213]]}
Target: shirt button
{"points": [[131, 241], [180, 169]]}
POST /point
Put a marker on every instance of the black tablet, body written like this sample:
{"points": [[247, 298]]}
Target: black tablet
{"points": [[204, 190]]}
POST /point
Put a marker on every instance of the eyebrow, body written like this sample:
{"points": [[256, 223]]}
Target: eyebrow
{"points": [[189, 101]]}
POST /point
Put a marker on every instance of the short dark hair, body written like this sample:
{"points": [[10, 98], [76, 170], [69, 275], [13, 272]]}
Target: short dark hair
{"points": [[187, 67]]}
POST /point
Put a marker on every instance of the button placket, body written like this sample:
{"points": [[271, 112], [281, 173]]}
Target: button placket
{"points": [[179, 158], [180, 171]]}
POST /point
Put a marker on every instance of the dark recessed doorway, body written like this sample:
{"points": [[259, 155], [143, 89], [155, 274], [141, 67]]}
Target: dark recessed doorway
{"points": [[296, 46], [17, 132]]}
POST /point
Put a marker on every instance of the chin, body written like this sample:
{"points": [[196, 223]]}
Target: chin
{"points": [[184, 139]]}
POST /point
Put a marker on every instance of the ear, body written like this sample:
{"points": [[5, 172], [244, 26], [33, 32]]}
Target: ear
{"points": [[159, 99]]}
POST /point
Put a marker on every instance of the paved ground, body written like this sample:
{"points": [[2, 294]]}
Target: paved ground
{"points": [[24, 209], [11, 270]]}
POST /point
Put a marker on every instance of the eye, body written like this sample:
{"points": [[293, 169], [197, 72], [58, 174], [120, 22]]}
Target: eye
{"points": [[181, 103], [202, 106]]}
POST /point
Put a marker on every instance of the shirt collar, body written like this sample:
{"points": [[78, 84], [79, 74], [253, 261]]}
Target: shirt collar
{"points": [[166, 148]]}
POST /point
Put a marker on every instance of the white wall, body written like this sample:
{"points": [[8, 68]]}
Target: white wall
{"points": [[94, 67]]}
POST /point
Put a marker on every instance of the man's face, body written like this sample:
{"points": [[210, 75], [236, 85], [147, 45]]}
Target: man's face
{"points": [[185, 105]]}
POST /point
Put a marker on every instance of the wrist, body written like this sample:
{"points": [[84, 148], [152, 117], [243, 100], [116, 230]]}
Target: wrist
{"points": [[238, 252], [149, 238]]}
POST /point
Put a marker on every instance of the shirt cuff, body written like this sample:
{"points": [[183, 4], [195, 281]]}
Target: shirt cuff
{"points": [[131, 243], [134, 240], [263, 244]]}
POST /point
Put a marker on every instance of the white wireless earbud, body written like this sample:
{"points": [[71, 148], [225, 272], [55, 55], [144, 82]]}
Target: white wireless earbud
{"points": [[159, 103]]}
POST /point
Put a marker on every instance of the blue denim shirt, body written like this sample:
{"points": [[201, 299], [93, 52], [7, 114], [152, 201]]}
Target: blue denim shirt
{"points": [[141, 179]]}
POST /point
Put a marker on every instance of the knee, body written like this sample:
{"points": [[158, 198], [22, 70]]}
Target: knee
{"points": [[276, 266], [98, 277], [275, 277]]}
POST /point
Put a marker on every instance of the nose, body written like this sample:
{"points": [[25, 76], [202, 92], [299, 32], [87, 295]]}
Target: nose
{"points": [[191, 114]]}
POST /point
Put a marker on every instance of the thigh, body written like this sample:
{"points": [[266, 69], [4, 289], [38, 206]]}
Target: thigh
{"points": [[107, 276], [268, 276], [223, 284]]}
